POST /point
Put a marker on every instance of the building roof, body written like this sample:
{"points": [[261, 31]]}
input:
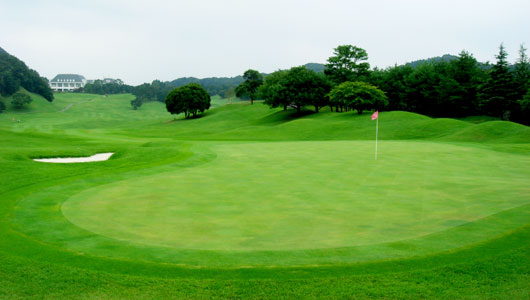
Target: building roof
{"points": [[68, 78]]}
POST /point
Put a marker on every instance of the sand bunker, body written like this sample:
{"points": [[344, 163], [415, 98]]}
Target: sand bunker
{"points": [[69, 160]]}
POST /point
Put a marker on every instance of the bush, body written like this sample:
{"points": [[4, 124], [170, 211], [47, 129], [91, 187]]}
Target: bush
{"points": [[20, 99]]}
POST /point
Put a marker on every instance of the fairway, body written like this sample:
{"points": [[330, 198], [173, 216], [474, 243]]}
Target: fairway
{"points": [[261, 201]]}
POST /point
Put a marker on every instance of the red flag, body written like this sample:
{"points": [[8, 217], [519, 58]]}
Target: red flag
{"points": [[375, 115]]}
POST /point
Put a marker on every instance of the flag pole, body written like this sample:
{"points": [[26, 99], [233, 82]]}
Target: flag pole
{"points": [[375, 116], [376, 133]]}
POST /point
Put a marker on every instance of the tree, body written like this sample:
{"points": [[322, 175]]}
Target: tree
{"points": [[466, 73], [357, 95], [2, 107], [296, 87], [8, 84], [188, 99], [146, 92], [347, 64], [18, 100], [136, 103], [422, 87], [522, 73], [249, 87], [273, 90], [230, 94], [524, 109], [393, 81], [496, 95], [102, 88]]}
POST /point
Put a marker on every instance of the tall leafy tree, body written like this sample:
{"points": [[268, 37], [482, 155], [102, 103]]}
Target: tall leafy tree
{"points": [[357, 95], [393, 82], [456, 84], [188, 99], [348, 63], [496, 95], [249, 87], [297, 88], [422, 86], [273, 90]]}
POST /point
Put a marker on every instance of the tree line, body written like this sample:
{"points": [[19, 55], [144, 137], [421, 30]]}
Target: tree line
{"points": [[157, 90], [460, 87], [99, 87], [343, 86], [448, 87], [222, 86]]}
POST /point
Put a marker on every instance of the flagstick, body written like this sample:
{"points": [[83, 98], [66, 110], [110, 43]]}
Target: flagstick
{"points": [[376, 132]]}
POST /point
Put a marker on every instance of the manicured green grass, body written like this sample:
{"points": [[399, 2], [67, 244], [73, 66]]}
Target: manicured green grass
{"points": [[249, 202]]}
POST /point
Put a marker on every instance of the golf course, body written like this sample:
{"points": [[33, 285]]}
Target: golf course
{"points": [[249, 202]]}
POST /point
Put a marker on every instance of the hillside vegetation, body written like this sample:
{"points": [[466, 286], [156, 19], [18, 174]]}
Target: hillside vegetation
{"points": [[14, 74]]}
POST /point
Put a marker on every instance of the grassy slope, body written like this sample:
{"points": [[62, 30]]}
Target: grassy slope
{"points": [[38, 105], [147, 138]]}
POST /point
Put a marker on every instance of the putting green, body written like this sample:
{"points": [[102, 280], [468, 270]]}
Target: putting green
{"points": [[306, 195]]}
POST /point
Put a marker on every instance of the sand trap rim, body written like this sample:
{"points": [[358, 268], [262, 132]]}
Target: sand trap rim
{"points": [[65, 160]]}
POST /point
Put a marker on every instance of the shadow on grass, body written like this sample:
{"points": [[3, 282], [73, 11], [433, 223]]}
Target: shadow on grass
{"points": [[284, 116], [181, 118]]}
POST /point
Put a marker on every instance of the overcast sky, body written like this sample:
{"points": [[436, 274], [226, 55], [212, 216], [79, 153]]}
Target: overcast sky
{"points": [[139, 41]]}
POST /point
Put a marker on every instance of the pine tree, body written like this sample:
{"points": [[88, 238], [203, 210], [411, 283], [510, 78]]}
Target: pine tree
{"points": [[522, 73], [497, 95]]}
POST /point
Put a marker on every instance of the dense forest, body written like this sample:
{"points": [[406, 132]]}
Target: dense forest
{"points": [[460, 87], [447, 86], [14, 74]]}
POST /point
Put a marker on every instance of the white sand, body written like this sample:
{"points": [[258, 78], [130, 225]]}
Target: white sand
{"points": [[69, 160]]}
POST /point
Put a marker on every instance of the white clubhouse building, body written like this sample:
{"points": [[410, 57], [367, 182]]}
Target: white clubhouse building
{"points": [[67, 82]]}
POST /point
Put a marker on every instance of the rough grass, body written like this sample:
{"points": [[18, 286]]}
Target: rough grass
{"points": [[467, 183]]}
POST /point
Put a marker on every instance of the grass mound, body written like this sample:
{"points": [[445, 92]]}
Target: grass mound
{"points": [[493, 132]]}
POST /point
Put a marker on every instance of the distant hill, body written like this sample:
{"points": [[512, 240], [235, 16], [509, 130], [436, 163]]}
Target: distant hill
{"points": [[443, 58], [447, 58], [220, 85], [213, 85], [319, 68], [15, 74]]}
